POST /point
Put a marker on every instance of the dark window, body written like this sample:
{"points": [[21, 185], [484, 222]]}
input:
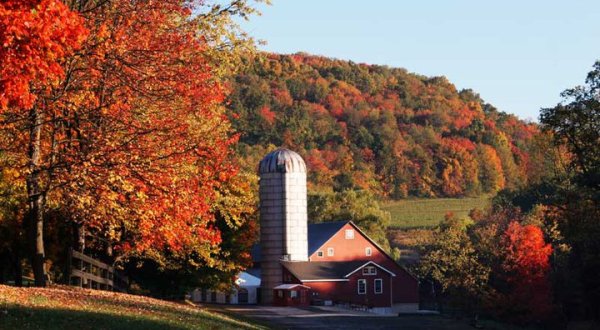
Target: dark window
{"points": [[378, 285], [362, 286], [369, 270]]}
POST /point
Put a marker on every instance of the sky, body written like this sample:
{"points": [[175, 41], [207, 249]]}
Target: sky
{"points": [[518, 55]]}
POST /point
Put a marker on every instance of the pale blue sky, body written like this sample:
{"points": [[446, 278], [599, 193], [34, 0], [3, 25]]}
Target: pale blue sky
{"points": [[518, 55]]}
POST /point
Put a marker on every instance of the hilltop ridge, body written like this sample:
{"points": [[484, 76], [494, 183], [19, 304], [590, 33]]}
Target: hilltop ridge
{"points": [[394, 133]]}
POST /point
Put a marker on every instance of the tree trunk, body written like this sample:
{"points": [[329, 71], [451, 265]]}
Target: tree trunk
{"points": [[79, 233], [36, 199], [18, 268], [4, 260]]}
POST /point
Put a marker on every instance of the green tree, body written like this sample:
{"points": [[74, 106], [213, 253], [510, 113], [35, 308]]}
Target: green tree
{"points": [[360, 207], [576, 123], [453, 262]]}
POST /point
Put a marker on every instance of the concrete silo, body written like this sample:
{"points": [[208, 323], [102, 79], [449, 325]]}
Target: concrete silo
{"points": [[283, 216]]}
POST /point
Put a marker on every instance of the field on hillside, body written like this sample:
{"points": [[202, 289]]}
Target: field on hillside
{"points": [[419, 213], [74, 308]]}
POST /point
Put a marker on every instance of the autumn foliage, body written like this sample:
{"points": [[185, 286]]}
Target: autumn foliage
{"points": [[403, 134], [527, 267], [116, 110], [35, 35]]}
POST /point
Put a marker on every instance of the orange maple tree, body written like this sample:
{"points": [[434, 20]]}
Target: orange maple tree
{"points": [[35, 35], [131, 138], [527, 266], [35, 38]]}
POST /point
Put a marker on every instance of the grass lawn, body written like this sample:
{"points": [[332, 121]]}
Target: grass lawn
{"points": [[64, 307], [420, 213]]}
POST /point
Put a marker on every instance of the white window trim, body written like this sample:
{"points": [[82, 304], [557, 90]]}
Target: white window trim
{"points": [[330, 252], [349, 234], [370, 263], [369, 270], [368, 251], [358, 286], [375, 286]]}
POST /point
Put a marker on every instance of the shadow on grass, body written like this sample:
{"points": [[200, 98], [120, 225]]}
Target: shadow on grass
{"points": [[21, 318], [136, 305]]}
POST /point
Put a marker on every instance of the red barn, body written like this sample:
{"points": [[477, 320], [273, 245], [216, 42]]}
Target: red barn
{"points": [[326, 263], [345, 267]]}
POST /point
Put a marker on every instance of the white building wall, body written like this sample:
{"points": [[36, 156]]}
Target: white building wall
{"points": [[271, 232], [196, 296], [296, 217]]}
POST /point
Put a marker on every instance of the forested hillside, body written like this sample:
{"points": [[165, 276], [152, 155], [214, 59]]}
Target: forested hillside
{"points": [[383, 129]]}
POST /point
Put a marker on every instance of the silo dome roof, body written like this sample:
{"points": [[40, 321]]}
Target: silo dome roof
{"points": [[282, 161]]}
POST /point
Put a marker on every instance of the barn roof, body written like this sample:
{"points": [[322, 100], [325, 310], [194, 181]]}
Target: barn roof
{"points": [[307, 271], [321, 270], [318, 234]]}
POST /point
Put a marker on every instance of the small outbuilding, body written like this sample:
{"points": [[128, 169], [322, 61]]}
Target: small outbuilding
{"points": [[291, 295], [246, 291]]}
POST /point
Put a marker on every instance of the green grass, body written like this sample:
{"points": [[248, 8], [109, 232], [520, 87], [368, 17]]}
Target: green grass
{"points": [[63, 307], [422, 213]]}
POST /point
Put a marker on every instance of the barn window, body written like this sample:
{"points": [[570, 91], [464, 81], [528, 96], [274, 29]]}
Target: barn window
{"points": [[368, 251], [280, 293], [293, 294], [378, 285], [320, 253], [369, 270], [349, 234], [362, 286], [330, 252]]}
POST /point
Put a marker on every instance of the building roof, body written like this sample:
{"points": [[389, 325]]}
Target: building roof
{"points": [[321, 270], [311, 271], [254, 272], [247, 279], [319, 233], [282, 161]]}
